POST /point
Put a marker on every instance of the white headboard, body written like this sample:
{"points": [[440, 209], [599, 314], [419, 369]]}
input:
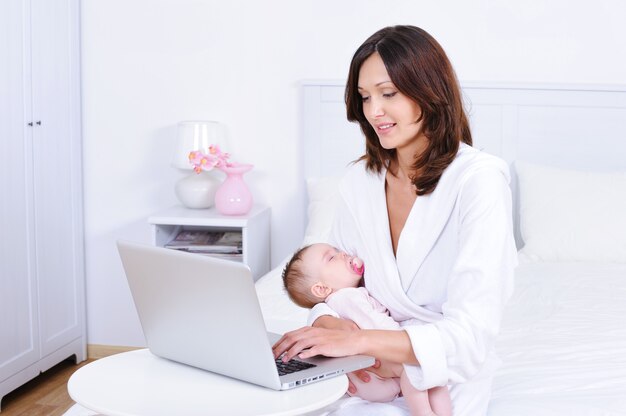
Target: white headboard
{"points": [[567, 126]]}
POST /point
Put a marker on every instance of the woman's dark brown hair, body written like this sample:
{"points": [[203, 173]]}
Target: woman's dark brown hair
{"points": [[420, 69]]}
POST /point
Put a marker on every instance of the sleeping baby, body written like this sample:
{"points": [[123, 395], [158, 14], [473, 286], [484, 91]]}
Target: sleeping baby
{"points": [[321, 273]]}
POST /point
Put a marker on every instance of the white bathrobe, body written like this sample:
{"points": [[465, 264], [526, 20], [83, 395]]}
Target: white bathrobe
{"points": [[453, 269]]}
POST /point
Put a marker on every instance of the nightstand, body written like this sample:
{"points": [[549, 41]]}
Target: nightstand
{"points": [[254, 228]]}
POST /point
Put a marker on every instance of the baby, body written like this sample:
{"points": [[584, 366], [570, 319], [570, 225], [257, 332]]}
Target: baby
{"points": [[321, 273]]}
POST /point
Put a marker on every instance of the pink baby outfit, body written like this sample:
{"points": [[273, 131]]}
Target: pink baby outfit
{"points": [[357, 305]]}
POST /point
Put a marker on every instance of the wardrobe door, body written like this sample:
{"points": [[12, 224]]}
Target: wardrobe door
{"points": [[19, 345], [57, 171]]}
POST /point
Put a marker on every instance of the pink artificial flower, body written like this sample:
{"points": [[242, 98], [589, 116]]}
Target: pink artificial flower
{"points": [[214, 158]]}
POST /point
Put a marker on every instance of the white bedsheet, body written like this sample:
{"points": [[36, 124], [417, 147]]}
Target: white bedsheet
{"points": [[563, 340]]}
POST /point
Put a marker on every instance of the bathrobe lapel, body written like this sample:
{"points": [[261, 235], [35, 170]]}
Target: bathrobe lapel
{"points": [[367, 204], [424, 225], [384, 278], [425, 222], [431, 213], [391, 277]]}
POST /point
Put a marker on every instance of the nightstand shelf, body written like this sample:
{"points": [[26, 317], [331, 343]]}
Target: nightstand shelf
{"points": [[254, 228]]}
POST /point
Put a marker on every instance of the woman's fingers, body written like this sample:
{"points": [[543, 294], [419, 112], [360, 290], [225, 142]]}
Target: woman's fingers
{"points": [[362, 375], [291, 343], [308, 342], [386, 369], [351, 387]]}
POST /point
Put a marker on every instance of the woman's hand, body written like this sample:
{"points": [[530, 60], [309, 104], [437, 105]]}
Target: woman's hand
{"points": [[308, 341], [330, 322], [386, 369]]}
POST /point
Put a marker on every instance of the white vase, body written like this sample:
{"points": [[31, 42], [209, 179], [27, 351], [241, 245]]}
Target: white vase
{"points": [[197, 190]]}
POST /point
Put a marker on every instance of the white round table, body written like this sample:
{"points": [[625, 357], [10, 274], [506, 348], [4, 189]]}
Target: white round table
{"points": [[138, 383]]}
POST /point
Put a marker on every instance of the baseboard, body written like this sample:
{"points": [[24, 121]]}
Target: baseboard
{"points": [[95, 351]]}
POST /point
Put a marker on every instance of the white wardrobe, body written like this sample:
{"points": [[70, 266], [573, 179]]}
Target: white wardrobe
{"points": [[42, 306]]}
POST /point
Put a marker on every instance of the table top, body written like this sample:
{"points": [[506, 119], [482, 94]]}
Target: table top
{"points": [[139, 383], [179, 215]]}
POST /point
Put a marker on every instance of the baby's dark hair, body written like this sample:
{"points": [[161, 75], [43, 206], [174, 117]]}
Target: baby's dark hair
{"points": [[298, 284]]}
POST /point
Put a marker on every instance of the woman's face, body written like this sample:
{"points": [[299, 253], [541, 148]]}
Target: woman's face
{"points": [[392, 114]]}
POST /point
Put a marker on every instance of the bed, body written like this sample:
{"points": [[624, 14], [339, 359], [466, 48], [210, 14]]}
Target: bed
{"points": [[563, 342]]}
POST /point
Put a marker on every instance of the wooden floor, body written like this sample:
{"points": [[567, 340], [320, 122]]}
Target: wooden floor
{"points": [[46, 395]]}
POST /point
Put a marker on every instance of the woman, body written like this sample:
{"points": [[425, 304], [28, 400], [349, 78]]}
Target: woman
{"points": [[430, 215]]}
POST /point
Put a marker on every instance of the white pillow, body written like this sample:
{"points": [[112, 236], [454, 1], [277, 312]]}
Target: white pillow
{"points": [[280, 313], [323, 196], [572, 215]]}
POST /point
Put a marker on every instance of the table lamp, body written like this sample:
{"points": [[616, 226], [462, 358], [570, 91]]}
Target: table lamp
{"points": [[198, 189]]}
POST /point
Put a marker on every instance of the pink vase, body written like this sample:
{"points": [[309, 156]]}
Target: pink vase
{"points": [[233, 196]]}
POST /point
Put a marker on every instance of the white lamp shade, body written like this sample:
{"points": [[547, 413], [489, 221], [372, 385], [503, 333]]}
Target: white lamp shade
{"points": [[197, 135]]}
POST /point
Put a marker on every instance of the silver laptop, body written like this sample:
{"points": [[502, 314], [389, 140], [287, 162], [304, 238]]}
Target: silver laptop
{"points": [[204, 312]]}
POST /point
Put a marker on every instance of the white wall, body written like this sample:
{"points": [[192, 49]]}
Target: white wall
{"points": [[148, 64]]}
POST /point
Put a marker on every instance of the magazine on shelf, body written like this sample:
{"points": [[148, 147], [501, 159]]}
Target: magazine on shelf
{"points": [[225, 256], [207, 241]]}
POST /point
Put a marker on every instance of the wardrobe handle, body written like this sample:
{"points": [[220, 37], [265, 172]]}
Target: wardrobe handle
{"points": [[30, 124], [39, 123]]}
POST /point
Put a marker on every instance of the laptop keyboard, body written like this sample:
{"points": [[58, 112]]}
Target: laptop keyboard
{"points": [[291, 366]]}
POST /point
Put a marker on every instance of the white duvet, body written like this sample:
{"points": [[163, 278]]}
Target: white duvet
{"points": [[563, 340]]}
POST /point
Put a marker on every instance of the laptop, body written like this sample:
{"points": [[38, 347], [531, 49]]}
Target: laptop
{"points": [[204, 312]]}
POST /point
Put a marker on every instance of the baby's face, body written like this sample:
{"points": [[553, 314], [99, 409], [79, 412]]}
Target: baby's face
{"points": [[334, 268]]}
